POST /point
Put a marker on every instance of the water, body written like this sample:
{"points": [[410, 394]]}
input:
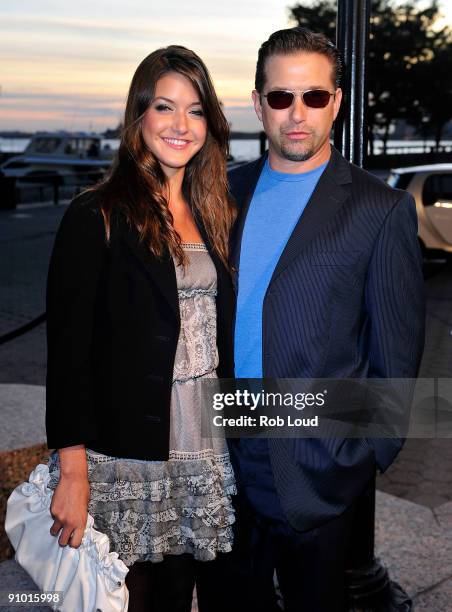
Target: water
{"points": [[13, 145], [243, 150]]}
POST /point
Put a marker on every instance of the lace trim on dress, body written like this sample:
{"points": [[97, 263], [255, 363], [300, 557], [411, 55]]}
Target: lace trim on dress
{"points": [[194, 246], [176, 540], [189, 293], [206, 453]]}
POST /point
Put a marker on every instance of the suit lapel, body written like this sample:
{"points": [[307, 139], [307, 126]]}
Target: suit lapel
{"points": [[326, 200], [162, 271], [243, 194]]}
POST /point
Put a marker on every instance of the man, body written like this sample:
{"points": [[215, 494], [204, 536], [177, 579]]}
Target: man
{"points": [[329, 285]]}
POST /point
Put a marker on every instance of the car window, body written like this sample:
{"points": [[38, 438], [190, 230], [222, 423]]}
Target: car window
{"points": [[46, 145], [401, 181], [437, 187]]}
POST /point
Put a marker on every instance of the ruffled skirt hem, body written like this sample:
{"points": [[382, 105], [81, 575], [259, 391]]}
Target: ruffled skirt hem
{"points": [[150, 509]]}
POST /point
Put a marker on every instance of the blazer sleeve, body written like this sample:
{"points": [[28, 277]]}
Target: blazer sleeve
{"points": [[395, 303], [73, 279]]}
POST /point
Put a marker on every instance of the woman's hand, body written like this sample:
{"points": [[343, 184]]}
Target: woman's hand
{"points": [[69, 506]]}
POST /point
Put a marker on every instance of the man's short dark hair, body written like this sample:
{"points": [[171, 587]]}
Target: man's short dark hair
{"points": [[293, 40]]}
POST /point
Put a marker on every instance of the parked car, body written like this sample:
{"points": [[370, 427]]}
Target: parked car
{"points": [[431, 186]]}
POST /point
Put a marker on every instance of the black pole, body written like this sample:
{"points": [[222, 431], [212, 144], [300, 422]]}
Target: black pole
{"points": [[353, 22], [369, 587], [262, 142]]}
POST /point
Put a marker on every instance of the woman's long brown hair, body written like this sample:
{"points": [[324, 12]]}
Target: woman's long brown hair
{"points": [[136, 185]]}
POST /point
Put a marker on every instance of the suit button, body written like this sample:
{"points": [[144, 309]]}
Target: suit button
{"points": [[163, 338]]}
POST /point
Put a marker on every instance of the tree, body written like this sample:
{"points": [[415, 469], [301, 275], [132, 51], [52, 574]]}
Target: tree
{"points": [[405, 55], [435, 95]]}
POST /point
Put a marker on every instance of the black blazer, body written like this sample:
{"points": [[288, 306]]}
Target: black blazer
{"points": [[346, 300], [112, 328]]}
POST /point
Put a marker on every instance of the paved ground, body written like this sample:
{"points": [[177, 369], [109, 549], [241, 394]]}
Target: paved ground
{"points": [[423, 471], [414, 526], [414, 543], [26, 238]]}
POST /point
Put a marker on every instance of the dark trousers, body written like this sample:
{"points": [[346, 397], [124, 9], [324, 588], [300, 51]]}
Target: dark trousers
{"points": [[168, 586], [310, 566]]}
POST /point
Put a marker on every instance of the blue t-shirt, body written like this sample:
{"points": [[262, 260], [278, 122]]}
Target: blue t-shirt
{"points": [[278, 202]]}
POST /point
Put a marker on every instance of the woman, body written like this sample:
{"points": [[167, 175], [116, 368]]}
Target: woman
{"points": [[140, 307]]}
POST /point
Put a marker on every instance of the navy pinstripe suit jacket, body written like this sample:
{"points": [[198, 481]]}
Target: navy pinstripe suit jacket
{"points": [[346, 300]]}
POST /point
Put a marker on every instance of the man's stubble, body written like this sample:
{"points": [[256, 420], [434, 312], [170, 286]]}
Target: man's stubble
{"points": [[291, 153]]}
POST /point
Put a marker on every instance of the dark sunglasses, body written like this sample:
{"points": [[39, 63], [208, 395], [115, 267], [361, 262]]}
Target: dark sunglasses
{"points": [[314, 98]]}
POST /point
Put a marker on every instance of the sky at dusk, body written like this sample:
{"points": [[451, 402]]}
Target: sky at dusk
{"points": [[68, 65]]}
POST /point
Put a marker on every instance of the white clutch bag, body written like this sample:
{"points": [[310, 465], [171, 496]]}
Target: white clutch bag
{"points": [[91, 577]]}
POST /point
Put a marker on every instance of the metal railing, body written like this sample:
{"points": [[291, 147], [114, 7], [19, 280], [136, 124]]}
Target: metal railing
{"points": [[43, 187]]}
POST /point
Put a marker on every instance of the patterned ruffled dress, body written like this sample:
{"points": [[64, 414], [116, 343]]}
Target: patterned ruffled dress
{"points": [[152, 508]]}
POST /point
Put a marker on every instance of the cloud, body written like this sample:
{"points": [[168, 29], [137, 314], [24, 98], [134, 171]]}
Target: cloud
{"points": [[81, 55]]}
